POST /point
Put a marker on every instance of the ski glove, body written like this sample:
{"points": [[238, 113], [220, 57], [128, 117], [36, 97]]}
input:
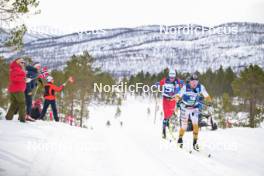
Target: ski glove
{"points": [[28, 80]]}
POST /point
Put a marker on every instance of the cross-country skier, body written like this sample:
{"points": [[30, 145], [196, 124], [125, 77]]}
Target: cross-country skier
{"points": [[50, 98], [170, 87], [189, 96]]}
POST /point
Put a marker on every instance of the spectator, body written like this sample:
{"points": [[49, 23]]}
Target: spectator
{"points": [[33, 72], [16, 88], [36, 109], [50, 98]]}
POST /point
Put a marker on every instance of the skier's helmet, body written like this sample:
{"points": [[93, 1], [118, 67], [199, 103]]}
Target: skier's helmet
{"points": [[172, 73], [49, 79]]}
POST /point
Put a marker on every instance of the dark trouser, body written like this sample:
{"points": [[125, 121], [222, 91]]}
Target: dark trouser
{"points": [[53, 107], [17, 103], [35, 113], [28, 103], [164, 125]]}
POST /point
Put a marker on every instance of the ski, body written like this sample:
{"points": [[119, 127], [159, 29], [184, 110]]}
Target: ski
{"points": [[202, 152], [190, 150]]}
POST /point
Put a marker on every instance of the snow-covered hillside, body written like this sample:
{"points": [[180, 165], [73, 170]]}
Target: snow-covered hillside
{"points": [[124, 51], [136, 148], [30, 35]]}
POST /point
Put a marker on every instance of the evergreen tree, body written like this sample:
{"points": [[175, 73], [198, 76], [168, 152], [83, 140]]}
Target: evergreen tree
{"points": [[4, 75], [80, 68], [118, 112], [227, 104], [229, 77], [12, 10], [250, 85]]}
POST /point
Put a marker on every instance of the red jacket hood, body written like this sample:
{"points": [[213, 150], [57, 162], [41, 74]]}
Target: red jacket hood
{"points": [[17, 77], [14, 66]]}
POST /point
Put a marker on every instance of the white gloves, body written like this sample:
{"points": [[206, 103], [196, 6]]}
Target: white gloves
{"points": [[28, 80]]}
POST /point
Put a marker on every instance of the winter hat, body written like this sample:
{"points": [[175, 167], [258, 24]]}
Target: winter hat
{"points": [[49, 78], [17, 59], [36, 64], [20, 59], [194, 77]]}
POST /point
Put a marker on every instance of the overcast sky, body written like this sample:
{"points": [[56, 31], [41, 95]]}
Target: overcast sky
{"points": [[78, 15]]}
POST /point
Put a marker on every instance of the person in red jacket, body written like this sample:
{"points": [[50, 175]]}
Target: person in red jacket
{"points": [[50, 98], [170, 86], [16, 88]]}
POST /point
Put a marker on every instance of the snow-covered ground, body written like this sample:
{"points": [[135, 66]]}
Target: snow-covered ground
{"points": [[136, 148]]}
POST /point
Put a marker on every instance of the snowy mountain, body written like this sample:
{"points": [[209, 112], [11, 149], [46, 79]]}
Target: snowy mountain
{"points": [[124, 51], [33, 36], [136, 148], [28, 37], [3, 36]]}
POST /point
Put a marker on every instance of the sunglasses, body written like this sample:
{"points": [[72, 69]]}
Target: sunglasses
{"points": [[22, 62]]}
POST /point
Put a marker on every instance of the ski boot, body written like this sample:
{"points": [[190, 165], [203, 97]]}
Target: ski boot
{"points": [[195, 145], [180, 142], [22, 120], [164, 125]]}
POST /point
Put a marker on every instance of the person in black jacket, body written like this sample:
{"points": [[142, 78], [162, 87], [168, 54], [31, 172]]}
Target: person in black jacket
{"points": [[33, 72]]}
